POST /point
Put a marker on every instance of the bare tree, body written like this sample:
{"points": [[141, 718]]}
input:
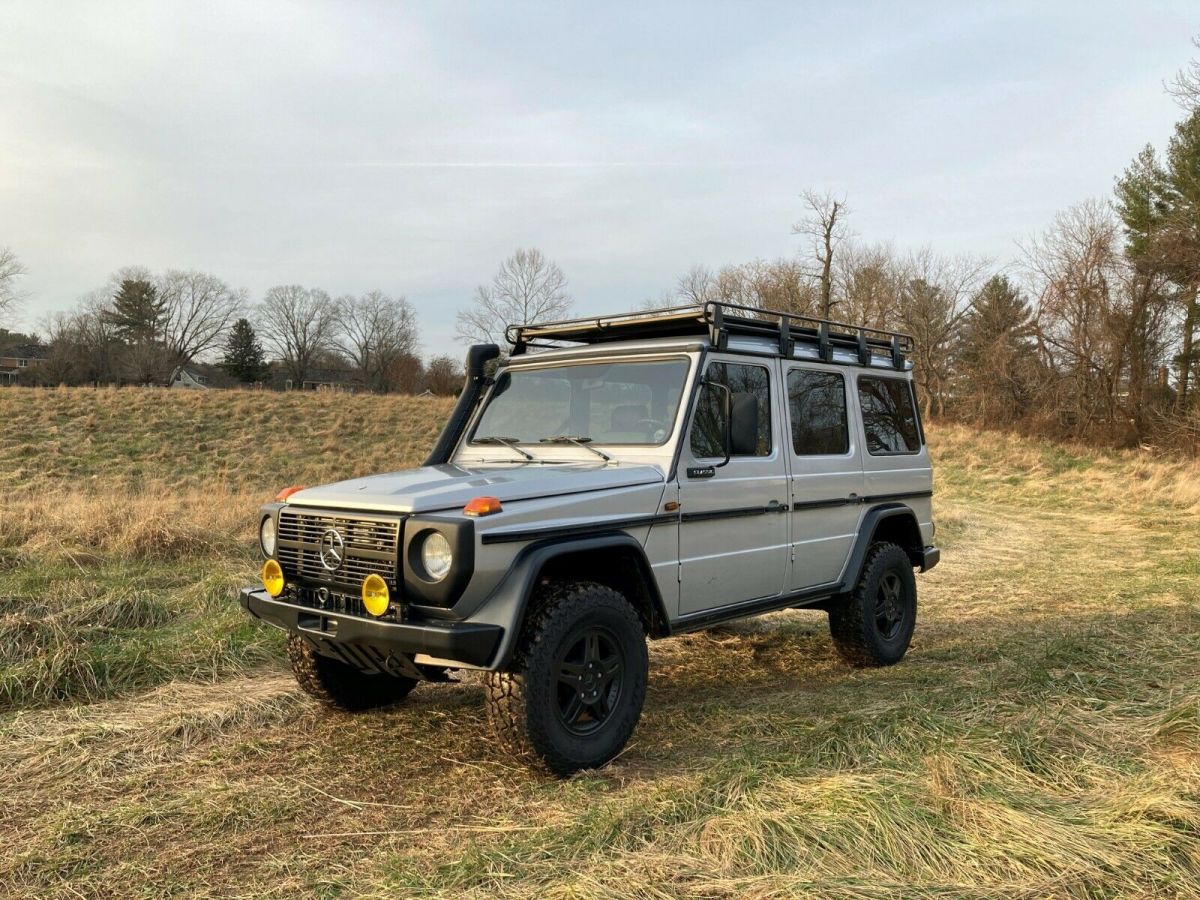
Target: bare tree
{"points": [[869, 283], [443, 375], [200, 308], [825, 228], [375, 332], [298, 324], [527, 288], [1076, 267], [697, 286], [10, 270], [938, 293], [780, 284], [84, 345], [406, 374], [1185, 86]]}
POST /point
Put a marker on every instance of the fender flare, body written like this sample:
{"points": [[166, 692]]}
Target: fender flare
{"points": [[866, 534], [508, 602]]}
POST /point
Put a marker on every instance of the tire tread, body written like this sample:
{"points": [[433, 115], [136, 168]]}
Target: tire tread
{"points": [[337, 685]]}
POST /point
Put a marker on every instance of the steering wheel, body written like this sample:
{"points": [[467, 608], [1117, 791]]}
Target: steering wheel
{"points": [[651, 425]]}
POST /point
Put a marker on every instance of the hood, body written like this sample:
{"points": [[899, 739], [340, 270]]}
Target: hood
{"points": [[448, 486]]}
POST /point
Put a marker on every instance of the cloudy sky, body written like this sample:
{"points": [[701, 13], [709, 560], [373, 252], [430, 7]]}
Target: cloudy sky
{"points": [[411, 147]]}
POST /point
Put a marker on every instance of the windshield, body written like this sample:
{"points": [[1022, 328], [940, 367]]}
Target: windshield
{"points": [[603, 403]]}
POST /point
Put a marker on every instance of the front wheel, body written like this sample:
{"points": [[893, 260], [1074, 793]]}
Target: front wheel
{"points": [[574, 692], [873, 625], [340, 686]]}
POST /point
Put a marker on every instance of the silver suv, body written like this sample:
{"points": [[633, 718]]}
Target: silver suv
{"points": [[619, 478]]}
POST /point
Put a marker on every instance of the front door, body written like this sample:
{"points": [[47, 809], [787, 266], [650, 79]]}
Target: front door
{"points": [[733, 533]]}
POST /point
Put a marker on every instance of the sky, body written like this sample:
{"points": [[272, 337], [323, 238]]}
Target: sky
{"points": [[412, 147]]}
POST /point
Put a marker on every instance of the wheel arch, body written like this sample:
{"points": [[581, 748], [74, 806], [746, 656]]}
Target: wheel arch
{"points": [[616, 560], [892, 522]]}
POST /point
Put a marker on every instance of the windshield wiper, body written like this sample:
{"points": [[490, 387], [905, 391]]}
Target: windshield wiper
{"points": [[509, 442], [579, 440]]}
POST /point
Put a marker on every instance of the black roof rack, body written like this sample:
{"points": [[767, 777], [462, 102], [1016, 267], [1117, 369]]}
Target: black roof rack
{"points": [[718, 321]]}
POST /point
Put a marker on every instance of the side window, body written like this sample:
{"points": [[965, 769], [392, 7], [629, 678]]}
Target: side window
{"points": [[817, 409], [889, 419], [708, 427]]}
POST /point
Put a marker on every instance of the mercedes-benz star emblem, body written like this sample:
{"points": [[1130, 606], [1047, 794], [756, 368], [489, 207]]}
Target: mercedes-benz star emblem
{"points": [[333, 549]]}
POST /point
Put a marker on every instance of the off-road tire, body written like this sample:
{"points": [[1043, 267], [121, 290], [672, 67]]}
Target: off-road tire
{"points": [[854, 621], [523, 702], [340, 686]]}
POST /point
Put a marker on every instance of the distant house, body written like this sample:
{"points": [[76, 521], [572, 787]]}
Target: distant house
{"points": [[187, 378], [316, 380], [200, 376], [16, 361]]}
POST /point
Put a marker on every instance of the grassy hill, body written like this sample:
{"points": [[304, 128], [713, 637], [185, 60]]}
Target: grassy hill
{"points": [[1042, 738]]}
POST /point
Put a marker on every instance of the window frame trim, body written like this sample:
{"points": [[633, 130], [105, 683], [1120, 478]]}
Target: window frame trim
{"points": [[477, 417], [912, 398], [686, 438], [850, 448]]}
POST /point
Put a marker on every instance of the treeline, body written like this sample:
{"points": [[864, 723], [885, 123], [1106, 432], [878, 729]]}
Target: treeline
{"points": [[142, 326], [1091, 334]]}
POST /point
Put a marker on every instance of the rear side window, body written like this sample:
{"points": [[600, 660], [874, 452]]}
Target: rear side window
{"points": [[817, 409], [708, 427], [889, 418]]}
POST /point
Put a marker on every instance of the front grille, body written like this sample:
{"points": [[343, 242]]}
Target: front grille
{"points": [[371, 546], [326, 600]]}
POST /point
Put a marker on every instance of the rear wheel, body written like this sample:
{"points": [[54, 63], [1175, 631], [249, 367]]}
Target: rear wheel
{"points": [[341, 686], [574, 692], [873, 625]]}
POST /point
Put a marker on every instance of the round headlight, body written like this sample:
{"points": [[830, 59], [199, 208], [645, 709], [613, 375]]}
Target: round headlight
{"points": [[266, 536], [436, 556]]}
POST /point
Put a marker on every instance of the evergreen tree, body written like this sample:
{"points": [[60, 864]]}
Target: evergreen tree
{"points": [[243, 353], [137, 313], [995, 358], [1159, 203]]}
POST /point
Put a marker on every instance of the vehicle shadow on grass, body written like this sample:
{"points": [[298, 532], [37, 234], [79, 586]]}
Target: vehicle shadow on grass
{"points": [[780, 678]]}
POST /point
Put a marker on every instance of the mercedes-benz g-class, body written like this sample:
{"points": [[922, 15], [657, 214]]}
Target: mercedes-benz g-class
{"points": [[618, 478]]}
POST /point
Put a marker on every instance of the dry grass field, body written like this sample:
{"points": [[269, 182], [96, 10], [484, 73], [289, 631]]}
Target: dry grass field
{"points": [[1042, 738]]}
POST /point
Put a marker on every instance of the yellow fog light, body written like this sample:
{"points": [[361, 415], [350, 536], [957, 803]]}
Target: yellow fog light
{"points": [[375, 595], [272, 578]]}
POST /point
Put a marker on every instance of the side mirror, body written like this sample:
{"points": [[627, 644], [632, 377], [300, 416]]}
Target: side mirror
{"points": [[743, 425], [726, 404]]}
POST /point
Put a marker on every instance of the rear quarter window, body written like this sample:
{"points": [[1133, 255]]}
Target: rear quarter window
{"points": [[889, 416]]}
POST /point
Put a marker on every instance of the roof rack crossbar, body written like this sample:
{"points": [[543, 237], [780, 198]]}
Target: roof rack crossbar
{"points": [[718, 320]]}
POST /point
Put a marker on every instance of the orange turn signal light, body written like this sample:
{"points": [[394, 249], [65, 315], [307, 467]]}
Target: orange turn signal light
{"points": [[288, 491], [483, 506]]}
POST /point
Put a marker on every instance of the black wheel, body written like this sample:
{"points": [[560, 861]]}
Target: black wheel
{"points": [[574, 692], [340, 686], [873, 625]]}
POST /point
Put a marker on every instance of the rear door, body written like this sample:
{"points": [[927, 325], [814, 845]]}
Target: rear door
{"points": [[826, 473], [895, 460], [733, 533]]}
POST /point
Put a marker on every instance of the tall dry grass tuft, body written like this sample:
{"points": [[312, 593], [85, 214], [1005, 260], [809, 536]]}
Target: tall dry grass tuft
{"points": [[153, 525], [1007, 465]]}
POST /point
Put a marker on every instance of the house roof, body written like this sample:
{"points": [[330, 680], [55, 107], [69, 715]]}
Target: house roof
{"points": [[24, 351]]}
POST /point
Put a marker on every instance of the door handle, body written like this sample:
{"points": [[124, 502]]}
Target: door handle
{"points": [[776, 506]]}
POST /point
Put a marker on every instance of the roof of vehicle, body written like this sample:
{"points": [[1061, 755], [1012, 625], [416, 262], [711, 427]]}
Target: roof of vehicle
{"points": [[722, 326]]}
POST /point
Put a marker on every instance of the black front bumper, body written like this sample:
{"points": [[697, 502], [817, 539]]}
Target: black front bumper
{"points": [[463, 642], [930, 557]]}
